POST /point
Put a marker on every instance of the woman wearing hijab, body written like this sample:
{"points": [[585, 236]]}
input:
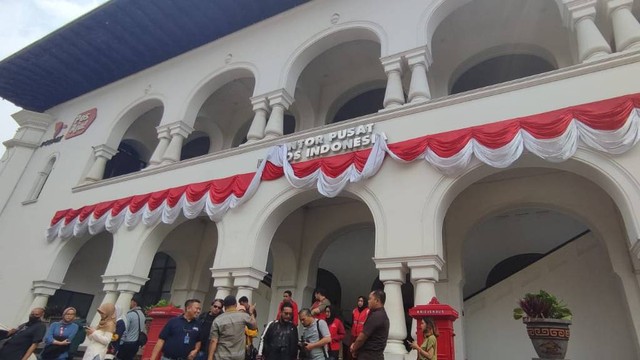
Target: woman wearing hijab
{"points": [[336, 328], [59, 336], [100, 337], [121, 326]]}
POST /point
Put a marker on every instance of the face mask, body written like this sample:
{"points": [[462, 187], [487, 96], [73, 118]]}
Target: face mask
{"points": [[33, 319]]}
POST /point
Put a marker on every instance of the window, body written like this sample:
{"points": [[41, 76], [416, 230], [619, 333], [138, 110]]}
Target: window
{"points": [[41, 180], [163, 269]]}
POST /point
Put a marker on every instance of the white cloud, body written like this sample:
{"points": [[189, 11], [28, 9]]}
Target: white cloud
{"points": [[22, 22]]}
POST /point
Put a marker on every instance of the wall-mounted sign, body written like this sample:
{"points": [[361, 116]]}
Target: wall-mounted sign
{"points": [[59, 126], [81, 123], [353, 138]]}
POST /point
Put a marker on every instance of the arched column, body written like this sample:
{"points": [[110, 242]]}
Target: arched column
{"points": [[102, 154], [164, 138], [425, 271], [222, 282], [42, 290], [279, 101], [580, 17], [626, 29], [178, 131], [394, 94], [247, 280], [128, 285], [110, 295], [259, 123], [419, 61], [392, 275]]}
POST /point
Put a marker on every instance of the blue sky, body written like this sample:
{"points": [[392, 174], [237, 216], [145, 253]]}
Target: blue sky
{"points": [[21, 23]]}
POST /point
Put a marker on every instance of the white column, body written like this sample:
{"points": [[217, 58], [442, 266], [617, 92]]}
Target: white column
{"points": [[164, 137], [42, 290], [111, 295], [247, 280], [128, 285], [580, 17], [392, 275], [222, 282], [394, 94], [279, 102], [259, 123], [425, 272], [178, 131], [626, 29], [419, 61], [102, 154]]}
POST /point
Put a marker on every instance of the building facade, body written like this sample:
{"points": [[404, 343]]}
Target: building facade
{"points": [[472, 150]]}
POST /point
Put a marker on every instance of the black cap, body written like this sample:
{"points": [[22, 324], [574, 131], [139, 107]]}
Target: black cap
{"points": [[138, 299]]}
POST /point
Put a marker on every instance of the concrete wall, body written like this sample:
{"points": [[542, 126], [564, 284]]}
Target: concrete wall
{"points": [[601, 327]]}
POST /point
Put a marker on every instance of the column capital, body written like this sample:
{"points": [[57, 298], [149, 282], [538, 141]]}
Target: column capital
{"points": [[391, 269], [421, 55], [104, 151], [280, 97], [612, 5], [164, 131], [126, 282], [392, 63], [248, 277], [260, 102], [45, 287], [181, 128], [109, 283], [576, 10], [426, 267], [222, 278]]}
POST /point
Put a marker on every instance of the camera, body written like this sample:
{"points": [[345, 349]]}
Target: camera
{"points": [[302, 348]]}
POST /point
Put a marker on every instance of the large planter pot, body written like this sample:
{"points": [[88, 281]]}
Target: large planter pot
{"points": [[550, 337]]}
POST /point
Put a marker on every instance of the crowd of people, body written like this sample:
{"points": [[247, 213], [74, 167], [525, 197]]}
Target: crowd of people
{"points": [[225, 332]]}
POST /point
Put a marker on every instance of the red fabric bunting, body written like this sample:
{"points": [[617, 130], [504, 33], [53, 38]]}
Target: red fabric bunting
{"points": [[608, 114]]}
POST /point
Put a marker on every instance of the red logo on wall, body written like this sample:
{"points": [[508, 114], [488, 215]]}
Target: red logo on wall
{"points": [[81, 123], [58, 129]]}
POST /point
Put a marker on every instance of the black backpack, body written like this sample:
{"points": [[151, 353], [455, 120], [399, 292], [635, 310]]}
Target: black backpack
{"points": [[142, 336]]}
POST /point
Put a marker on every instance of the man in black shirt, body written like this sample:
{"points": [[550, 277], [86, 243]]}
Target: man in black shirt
{"points": [[23, 340], [280, 338], [180, 337], [372, 340]]}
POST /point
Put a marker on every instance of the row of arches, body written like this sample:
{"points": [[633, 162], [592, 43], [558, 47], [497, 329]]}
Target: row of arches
{"points": [[339, 76], [563, 219]]}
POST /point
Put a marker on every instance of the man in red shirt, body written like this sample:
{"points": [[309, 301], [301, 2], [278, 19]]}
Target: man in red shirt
{"points": [[318, 307], [287, 297]]}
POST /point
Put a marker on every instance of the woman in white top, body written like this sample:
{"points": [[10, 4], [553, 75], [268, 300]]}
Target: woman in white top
{"points": [[100, 337]]}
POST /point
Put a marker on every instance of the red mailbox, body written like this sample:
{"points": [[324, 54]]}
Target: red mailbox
{"points": [[159, 318], [444, 316]]}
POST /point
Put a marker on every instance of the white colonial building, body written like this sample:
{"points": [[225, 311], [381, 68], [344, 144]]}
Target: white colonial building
{"points": [[472, 150]]}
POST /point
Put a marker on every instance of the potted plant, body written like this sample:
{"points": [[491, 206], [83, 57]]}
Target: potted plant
{"points": [[547, 319]]}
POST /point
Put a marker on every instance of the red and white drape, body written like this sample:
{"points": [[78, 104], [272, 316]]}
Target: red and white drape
{"points": [[610, 126]]}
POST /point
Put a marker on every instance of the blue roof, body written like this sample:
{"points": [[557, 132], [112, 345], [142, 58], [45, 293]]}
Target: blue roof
{"points": [[118, 39]]}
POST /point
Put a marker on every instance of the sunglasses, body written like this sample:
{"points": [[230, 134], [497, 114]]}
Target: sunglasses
{"points": [[217, 307]]}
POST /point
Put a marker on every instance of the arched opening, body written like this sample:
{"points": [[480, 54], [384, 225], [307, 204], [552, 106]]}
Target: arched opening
{"points": [[366, 103], [223, 114], [324, 243], [511, 39], [136, 145], [500, 69], [567, 229], [182, 257], [334, 72], [82, 284]]}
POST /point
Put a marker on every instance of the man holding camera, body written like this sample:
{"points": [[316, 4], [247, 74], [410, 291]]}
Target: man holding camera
{"points": [[315, 337], [280, 338]]}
